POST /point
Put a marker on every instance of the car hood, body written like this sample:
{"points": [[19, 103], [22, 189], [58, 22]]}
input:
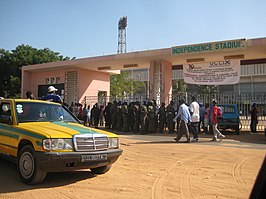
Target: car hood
{"points": [[60, 129]]}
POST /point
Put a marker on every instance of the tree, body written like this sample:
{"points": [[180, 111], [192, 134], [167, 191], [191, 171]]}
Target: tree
{"points": [[180, 87], [122, 85], [12, 62]]}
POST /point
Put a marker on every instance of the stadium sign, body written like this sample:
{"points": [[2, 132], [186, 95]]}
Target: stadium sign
{"points": [[209, 47]]}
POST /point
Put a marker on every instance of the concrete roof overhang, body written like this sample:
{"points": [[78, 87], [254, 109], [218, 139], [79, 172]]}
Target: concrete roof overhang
{"points": [[255, 49]]}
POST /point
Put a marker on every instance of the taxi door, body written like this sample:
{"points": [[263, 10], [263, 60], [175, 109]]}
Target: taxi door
{"points": [[5, 127]]}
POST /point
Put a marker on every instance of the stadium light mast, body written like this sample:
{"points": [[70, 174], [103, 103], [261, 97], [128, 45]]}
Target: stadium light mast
{"points": [[122, 24]]}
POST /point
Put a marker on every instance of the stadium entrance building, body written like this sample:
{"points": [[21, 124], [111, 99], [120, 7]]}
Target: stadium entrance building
{"points": [[162, 70]]}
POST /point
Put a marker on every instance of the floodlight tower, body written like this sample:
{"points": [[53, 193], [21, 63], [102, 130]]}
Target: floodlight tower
{"points": [[122, 24]]}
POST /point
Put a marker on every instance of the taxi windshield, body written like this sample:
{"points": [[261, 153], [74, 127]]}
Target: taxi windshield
{"points": [[42, 112]]}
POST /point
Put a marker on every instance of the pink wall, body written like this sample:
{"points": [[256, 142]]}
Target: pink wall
{"points": [[31, 80], [89, 82]]}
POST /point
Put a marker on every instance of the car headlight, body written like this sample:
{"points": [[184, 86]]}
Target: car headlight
{"points": [[58, 144], [113, 143]]}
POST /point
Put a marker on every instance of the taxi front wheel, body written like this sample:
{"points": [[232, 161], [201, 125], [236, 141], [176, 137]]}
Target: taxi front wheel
{"points": [[28, 169]]}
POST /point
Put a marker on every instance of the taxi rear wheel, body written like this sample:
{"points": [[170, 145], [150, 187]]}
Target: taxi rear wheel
{"points": [[101, 170], [28, 168]]}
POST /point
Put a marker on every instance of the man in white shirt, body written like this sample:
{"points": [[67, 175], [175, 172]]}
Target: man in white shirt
{"points": [[195, 118]]}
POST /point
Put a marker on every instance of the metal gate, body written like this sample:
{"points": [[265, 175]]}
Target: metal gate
{"points": [[243, 101]]}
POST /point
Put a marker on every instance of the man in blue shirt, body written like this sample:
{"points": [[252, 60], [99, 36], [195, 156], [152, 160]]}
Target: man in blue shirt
{"points": [[185, 119], [52, 96]]}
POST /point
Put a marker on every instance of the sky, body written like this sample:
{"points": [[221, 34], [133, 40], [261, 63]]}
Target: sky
{"points": [[88, 28]]}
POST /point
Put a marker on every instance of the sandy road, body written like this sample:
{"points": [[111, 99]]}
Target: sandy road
{"points": [[155, 167]]}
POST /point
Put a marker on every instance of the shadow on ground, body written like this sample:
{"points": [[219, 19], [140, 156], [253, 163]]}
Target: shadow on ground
{"points": [[9, 176]]}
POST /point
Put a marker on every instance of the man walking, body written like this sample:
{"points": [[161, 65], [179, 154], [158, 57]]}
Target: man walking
{"points": [[214, 120], [195, 117], [185, 118]]}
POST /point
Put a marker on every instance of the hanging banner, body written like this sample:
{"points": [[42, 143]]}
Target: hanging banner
{"points": [[212, 73]]}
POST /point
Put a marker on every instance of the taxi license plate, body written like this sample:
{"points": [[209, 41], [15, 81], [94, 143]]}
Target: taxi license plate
{"points": [[87, 158]]}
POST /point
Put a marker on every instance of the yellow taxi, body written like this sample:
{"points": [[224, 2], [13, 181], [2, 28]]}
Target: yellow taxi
{"points": [[43, 137]]}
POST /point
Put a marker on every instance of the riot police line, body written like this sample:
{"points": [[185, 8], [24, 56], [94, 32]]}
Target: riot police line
{"points": [[137, 117]]}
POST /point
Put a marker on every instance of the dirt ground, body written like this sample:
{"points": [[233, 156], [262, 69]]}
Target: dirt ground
{"points": [[156, 168]]}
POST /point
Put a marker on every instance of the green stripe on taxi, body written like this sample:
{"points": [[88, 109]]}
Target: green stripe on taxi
{"points": [[80, 129]]}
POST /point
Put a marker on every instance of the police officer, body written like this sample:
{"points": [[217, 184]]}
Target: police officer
{"points": [[170, 117], [136, 113], [113, 115], [131, 120], [107, 115], [151, 117], [119, 118], [124, 112], [162, 117], [96, 115], [143, 117]]}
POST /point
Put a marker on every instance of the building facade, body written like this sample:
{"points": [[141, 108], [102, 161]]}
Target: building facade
{"points": [[161, 70]]}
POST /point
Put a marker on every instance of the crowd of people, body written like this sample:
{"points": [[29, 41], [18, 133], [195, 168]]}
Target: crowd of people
{"points": [[148, 117]]}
